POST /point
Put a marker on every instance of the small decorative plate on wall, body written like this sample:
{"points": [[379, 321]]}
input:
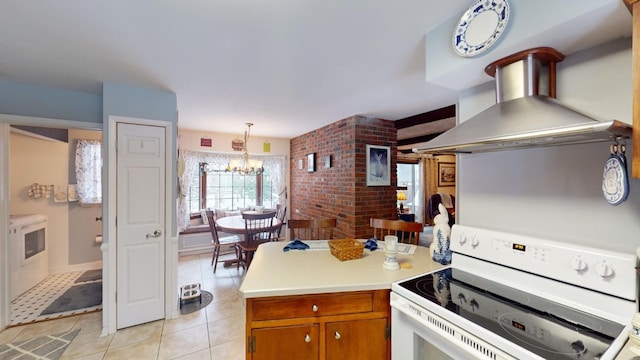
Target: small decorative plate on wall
{"points": [[480, 27]]}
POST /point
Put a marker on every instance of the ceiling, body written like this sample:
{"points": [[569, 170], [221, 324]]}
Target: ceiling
{"points": [[288, 66]]}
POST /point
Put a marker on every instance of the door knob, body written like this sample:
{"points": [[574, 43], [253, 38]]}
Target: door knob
{"points": [[155, 234]]}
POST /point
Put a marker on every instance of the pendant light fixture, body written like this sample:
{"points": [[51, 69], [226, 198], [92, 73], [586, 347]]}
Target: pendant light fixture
{"points": [[248, 166]]}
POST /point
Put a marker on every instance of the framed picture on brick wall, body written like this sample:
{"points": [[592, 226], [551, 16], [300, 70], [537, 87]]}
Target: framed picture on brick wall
{"points": [[311, 162], [378, 165]]}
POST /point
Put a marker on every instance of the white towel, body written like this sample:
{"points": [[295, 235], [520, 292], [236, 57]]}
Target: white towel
{"points": [[36, 191], [446, 200]]}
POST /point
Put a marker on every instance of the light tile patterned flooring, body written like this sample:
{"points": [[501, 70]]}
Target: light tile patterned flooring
{"points": [[27, 308], [213, 333]]}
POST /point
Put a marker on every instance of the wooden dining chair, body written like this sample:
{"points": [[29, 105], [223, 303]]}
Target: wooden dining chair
{"points": [[217, 242], [311, 229], [281, 213], [406, 231], [258, 229]]}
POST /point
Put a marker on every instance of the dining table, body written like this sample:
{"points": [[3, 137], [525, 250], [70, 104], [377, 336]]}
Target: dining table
{"points": [[235, 225]]}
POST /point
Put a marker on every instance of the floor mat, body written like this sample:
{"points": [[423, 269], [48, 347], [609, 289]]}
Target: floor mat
{"points": [[189, 306], [77, 297], [28, 306], [50, 347], [90, 275]]}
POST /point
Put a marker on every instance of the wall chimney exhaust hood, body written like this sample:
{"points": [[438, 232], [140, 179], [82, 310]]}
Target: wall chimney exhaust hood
{"points": [[526, 113]]}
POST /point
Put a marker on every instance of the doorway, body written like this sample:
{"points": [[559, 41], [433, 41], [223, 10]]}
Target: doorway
{"points": [[42, 182], [109, 310], [6, 195]]}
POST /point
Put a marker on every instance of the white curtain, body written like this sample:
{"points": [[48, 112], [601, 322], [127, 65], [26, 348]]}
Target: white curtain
{"points": [[88, 171], [275, 165]]}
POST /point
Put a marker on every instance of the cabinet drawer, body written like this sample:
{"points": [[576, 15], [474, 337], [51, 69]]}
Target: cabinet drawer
{"points": [[289, 307]]}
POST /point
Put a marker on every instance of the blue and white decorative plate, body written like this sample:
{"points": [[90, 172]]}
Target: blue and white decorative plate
{"points": [[480, 27], [615, 181]]}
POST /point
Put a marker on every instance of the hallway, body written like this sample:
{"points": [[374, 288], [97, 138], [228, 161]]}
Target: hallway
{"points": [[215, 332]]}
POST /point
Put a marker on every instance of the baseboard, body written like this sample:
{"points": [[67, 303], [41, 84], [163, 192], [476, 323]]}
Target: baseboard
{"points": [[76, 267], [207, 249]]}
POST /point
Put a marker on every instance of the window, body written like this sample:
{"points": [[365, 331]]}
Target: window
{"points": [[209, 186], [213, 187], [88, 171]]}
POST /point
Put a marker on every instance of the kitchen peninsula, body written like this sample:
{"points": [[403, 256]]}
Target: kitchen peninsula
{"points": [[310, 305]]}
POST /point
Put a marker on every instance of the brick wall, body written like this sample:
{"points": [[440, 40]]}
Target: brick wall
{"points": [[341, 191]]}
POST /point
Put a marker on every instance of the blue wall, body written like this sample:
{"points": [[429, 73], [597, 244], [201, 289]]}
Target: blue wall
{"points": [[121, 100], [139, 103], [38, 101]]}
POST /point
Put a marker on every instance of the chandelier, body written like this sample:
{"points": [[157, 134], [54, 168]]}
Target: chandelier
{"points": [[248, 166]]}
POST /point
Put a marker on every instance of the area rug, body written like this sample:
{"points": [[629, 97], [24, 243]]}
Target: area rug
{"points": [[77, 297], [189, 306], [90, 275], [48, 347]]}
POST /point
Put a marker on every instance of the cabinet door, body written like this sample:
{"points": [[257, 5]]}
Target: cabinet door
{"points": [[290, 342], [357, 340]]}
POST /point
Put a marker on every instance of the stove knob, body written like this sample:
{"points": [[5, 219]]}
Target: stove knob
{"points": [[474, 305], [475, 242], [463, 239], [462, 299], [579, 348], [578, 264], [604, 270]]}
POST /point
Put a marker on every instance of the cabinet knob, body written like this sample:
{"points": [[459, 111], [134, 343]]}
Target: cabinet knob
{"points": [[337, 335], [314, 308], [307, 339]]}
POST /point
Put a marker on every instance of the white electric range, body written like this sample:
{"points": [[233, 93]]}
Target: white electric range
{"points": [[509, 296]]}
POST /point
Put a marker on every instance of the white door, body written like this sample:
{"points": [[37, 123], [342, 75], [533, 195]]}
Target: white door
{"points": [[140, 224]]}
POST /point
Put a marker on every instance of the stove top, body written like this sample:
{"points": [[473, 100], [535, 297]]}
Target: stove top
{"points": [[546, 328], [533, 296]]}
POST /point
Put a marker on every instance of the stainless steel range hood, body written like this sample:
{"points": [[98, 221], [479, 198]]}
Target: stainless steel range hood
{"points": [[526, 113]]}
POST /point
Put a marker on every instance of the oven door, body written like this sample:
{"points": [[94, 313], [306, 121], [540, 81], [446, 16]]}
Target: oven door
{"points": [[417, 334], [33, 242], [412, 341]]}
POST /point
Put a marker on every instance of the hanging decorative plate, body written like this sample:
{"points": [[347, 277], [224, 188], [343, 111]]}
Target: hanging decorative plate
{"points": [[237, 145], [480, 27], [615, 181]]}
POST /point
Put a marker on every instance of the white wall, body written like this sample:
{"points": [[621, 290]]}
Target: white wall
{"points": [[556, 192], [221, 142]]}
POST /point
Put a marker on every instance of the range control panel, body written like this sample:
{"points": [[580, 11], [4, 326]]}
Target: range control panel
{"points": [[597, 269]]}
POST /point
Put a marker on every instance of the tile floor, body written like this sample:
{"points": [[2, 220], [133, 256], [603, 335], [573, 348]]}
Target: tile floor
{"points": [[215, 332], [27, 308]]}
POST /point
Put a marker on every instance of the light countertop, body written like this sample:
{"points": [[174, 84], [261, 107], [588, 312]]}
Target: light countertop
{"points": [[274, 272]]}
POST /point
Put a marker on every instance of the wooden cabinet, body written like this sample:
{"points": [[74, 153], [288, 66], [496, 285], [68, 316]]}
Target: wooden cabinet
{"points": [[357, 339], [332, 326], [287, 342], [634, 8]]}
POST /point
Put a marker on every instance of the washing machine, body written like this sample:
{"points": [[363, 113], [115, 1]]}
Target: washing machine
{"points": [[28, 252]]}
